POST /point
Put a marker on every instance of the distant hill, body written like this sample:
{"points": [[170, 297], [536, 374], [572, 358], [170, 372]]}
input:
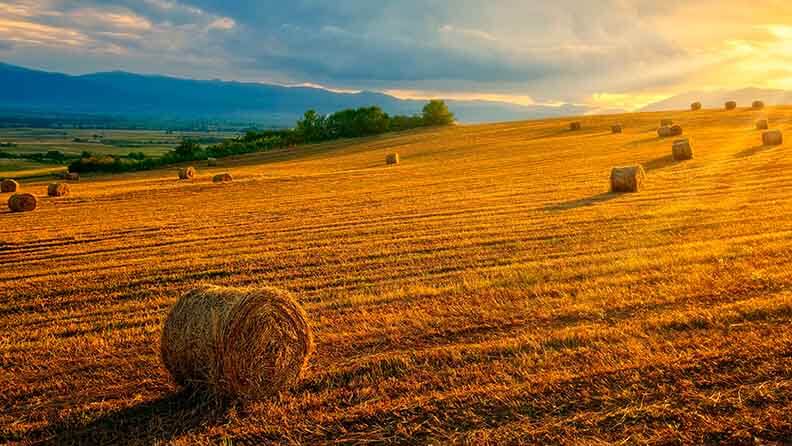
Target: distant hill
{"points": [[160, 97], [716, 99]]}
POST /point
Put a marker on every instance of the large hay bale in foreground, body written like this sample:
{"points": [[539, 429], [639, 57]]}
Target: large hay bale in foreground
{"points": [[58, 189], [242, 343], [22, 202], [666, 123], [772, 138], [72, 176], [681, 150], [762, 124], [696, 106], [9, 185], [187, 173], [627, 179], [222, 178], [392, 158], [757, 105], [730, 105], [573, 126], [617, 128]]}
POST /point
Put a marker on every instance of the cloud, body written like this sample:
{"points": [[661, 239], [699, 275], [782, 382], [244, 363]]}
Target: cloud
{"points": [[502, 47], [602, 51]]}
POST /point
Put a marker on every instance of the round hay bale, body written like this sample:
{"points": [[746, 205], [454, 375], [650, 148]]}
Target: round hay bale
{"points": [[22, 202], [676, 130], [681, 150], [241, 343], [187, 173], [9, 185], [664, 132], [211, 162], [757, 105], [762, 124], [573, 126], [696, 106], [617, 128], [222, 178], [392, 158], [58, 189], [72, 176], [666, 123], [627, 179], [772, 138], [731, 105]]}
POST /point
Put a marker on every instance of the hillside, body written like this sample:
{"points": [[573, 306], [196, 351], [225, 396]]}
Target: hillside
{"points": [[133, 96], [716, 99], [488, 290]]}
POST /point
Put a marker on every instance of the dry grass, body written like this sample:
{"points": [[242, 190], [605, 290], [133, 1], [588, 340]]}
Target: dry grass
{"points": [[8, 185], [22, 202], [627, 179], [772, 138], [187, 173], [682, 150], [58, 189], [222, 178], [469, 298], [669, 131], [239, 343]]}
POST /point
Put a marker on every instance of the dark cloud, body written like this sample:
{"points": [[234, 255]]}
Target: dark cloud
{"points": [[561, 49]]}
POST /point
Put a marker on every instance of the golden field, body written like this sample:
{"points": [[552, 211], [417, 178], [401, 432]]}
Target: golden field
{"points": [[487, 290]]}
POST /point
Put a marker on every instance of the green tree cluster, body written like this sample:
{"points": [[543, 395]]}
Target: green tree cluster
{"points": [[311, 128]]}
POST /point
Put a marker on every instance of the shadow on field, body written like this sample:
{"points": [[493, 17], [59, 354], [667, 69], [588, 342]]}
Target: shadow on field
{"points": [[582, 202], [658, 163], [751, 151], [596, 134], [153, 422], [639, 142]]}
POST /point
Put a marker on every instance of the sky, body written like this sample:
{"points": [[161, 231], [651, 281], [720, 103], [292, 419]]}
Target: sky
{"points": [[607, 54]]}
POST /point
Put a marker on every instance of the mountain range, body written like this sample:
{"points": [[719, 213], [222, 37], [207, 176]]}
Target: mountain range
{"points": [[151, 97]]}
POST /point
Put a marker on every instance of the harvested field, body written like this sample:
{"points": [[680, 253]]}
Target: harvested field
{"points": [[468, 297]]}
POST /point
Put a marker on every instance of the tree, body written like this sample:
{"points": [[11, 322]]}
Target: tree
{"points": [[436, 113], [312, 127], [187, 149]]}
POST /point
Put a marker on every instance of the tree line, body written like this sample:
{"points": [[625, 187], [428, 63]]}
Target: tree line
{"points": [[311, 128]]}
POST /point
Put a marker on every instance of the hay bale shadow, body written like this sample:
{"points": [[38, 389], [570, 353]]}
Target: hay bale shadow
{"points": [[751, 151], [597, 134], [659, 163], [153, 422], [642, 141], [582, 202]]}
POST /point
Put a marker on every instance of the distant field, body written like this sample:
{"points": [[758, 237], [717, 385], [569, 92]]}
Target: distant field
{"points": [[15, 168], [75, 141], [489, 290]]}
